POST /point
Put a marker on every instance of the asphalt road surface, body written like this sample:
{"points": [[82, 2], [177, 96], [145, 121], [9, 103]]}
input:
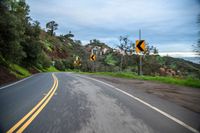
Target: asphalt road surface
{"points": [[72, 103]]}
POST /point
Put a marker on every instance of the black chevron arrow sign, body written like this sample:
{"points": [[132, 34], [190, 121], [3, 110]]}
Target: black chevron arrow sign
{"points": [[139, 45], [93, 57]]}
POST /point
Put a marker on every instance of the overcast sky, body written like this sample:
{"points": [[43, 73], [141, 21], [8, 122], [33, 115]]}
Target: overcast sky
{"points": [[170, 25]]}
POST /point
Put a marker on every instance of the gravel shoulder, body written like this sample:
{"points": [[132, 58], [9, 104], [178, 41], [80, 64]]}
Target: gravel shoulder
{"points": [[186, 97]]}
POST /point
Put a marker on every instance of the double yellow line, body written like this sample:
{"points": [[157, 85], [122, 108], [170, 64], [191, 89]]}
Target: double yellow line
{"points": [[22, 124]]}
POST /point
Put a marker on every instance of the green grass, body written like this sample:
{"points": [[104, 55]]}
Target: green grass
{"points": [[51, 69], [19, 71], [170, 80], [72, 70]]}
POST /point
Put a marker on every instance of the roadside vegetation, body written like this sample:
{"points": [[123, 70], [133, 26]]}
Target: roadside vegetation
{"points": [[171, 80], [19, 71], [26, 48], [51, 69]]}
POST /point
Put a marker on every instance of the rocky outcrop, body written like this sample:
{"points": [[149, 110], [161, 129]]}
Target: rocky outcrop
{"points": [[167, 72]]}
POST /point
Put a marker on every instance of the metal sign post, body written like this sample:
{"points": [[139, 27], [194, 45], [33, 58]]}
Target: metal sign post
{"points": [[93, 59], [94, 66], [140, 71], [139, 49]]}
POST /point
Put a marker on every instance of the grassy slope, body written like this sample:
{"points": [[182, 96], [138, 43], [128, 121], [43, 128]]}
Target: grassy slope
{"points": [[170, 80], [19, 71], [51, 69]]}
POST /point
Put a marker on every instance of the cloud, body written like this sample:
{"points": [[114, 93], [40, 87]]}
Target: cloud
{"points": [[179, 54], [163, 22]]}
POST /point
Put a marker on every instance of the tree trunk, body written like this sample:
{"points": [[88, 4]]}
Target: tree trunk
{"points": [[121, 63]]}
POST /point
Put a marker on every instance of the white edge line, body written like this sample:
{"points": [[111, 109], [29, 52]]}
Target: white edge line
{"points": [[147, 104], [16, 82]]}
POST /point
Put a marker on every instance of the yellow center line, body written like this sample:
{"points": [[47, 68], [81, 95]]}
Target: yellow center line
{"points": [[38, 111], [34, 109]]}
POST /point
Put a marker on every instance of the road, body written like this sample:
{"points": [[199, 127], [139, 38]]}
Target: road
{"points": [[67, 102]]}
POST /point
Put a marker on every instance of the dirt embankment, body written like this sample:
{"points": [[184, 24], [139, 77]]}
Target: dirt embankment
{"points": [[186, 97], [6, 76]]}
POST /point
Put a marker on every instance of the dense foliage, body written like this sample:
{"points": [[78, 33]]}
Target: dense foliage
{"points": [[19, 35]]}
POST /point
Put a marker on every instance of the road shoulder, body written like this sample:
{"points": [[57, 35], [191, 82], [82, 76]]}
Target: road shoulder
{"points": [[186, 97]]}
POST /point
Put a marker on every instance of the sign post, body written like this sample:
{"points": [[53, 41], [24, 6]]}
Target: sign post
{"points": [[93, 59], [140, 54], [140, 47]]}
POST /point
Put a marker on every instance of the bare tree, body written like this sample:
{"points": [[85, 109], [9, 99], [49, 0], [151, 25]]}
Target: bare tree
{"points": [[148, 49], [124, 46]]}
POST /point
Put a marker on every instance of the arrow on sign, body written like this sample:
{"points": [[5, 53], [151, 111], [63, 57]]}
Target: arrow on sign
{"points": [[139, 45], [92, 57]]}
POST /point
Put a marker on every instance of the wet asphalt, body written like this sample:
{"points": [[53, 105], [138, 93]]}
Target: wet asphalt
{"points": [[81, 105]]}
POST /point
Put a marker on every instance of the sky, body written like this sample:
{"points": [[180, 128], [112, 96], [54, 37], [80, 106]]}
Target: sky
{"points": [[169, 25]]}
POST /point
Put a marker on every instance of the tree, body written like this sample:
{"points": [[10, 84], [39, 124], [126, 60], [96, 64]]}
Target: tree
{"points": [[33, 51], [12, 22], [197, 47], [19, 35], [44, 60], [69, 35], [124, 46], [95, 42], [59, 65], [109, 60], [155, 51], [51, 27], [36, 30], [32, 46], [148, 49]]}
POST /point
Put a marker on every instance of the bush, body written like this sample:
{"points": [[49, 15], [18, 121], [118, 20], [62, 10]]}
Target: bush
{"points": [[33, 53], [45, 61], [68, 64], [59, 65]]}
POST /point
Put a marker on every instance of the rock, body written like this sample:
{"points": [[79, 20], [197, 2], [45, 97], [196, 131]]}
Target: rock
{"points": [[162, 71]]}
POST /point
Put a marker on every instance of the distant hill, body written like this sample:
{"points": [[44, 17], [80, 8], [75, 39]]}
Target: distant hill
{"points": [[192, 59]]}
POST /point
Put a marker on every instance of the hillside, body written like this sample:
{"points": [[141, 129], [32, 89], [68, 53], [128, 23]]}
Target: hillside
{"points": [[60, 52], [61, 55], [32, 49]]}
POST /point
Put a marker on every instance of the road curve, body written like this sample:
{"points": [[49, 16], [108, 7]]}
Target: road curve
{"points": [[67, 102]]}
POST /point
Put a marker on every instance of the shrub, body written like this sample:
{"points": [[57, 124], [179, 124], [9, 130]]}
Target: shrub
{"points": [[45, 61], [68, 64], [59, 65]]}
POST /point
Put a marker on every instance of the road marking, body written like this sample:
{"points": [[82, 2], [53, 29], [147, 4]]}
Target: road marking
{"points": [[149, 105], [38, 111], [16, 82], [34, 112]]}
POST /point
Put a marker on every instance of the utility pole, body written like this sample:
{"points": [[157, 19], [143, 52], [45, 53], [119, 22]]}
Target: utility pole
{"points": [[140, 57]]}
